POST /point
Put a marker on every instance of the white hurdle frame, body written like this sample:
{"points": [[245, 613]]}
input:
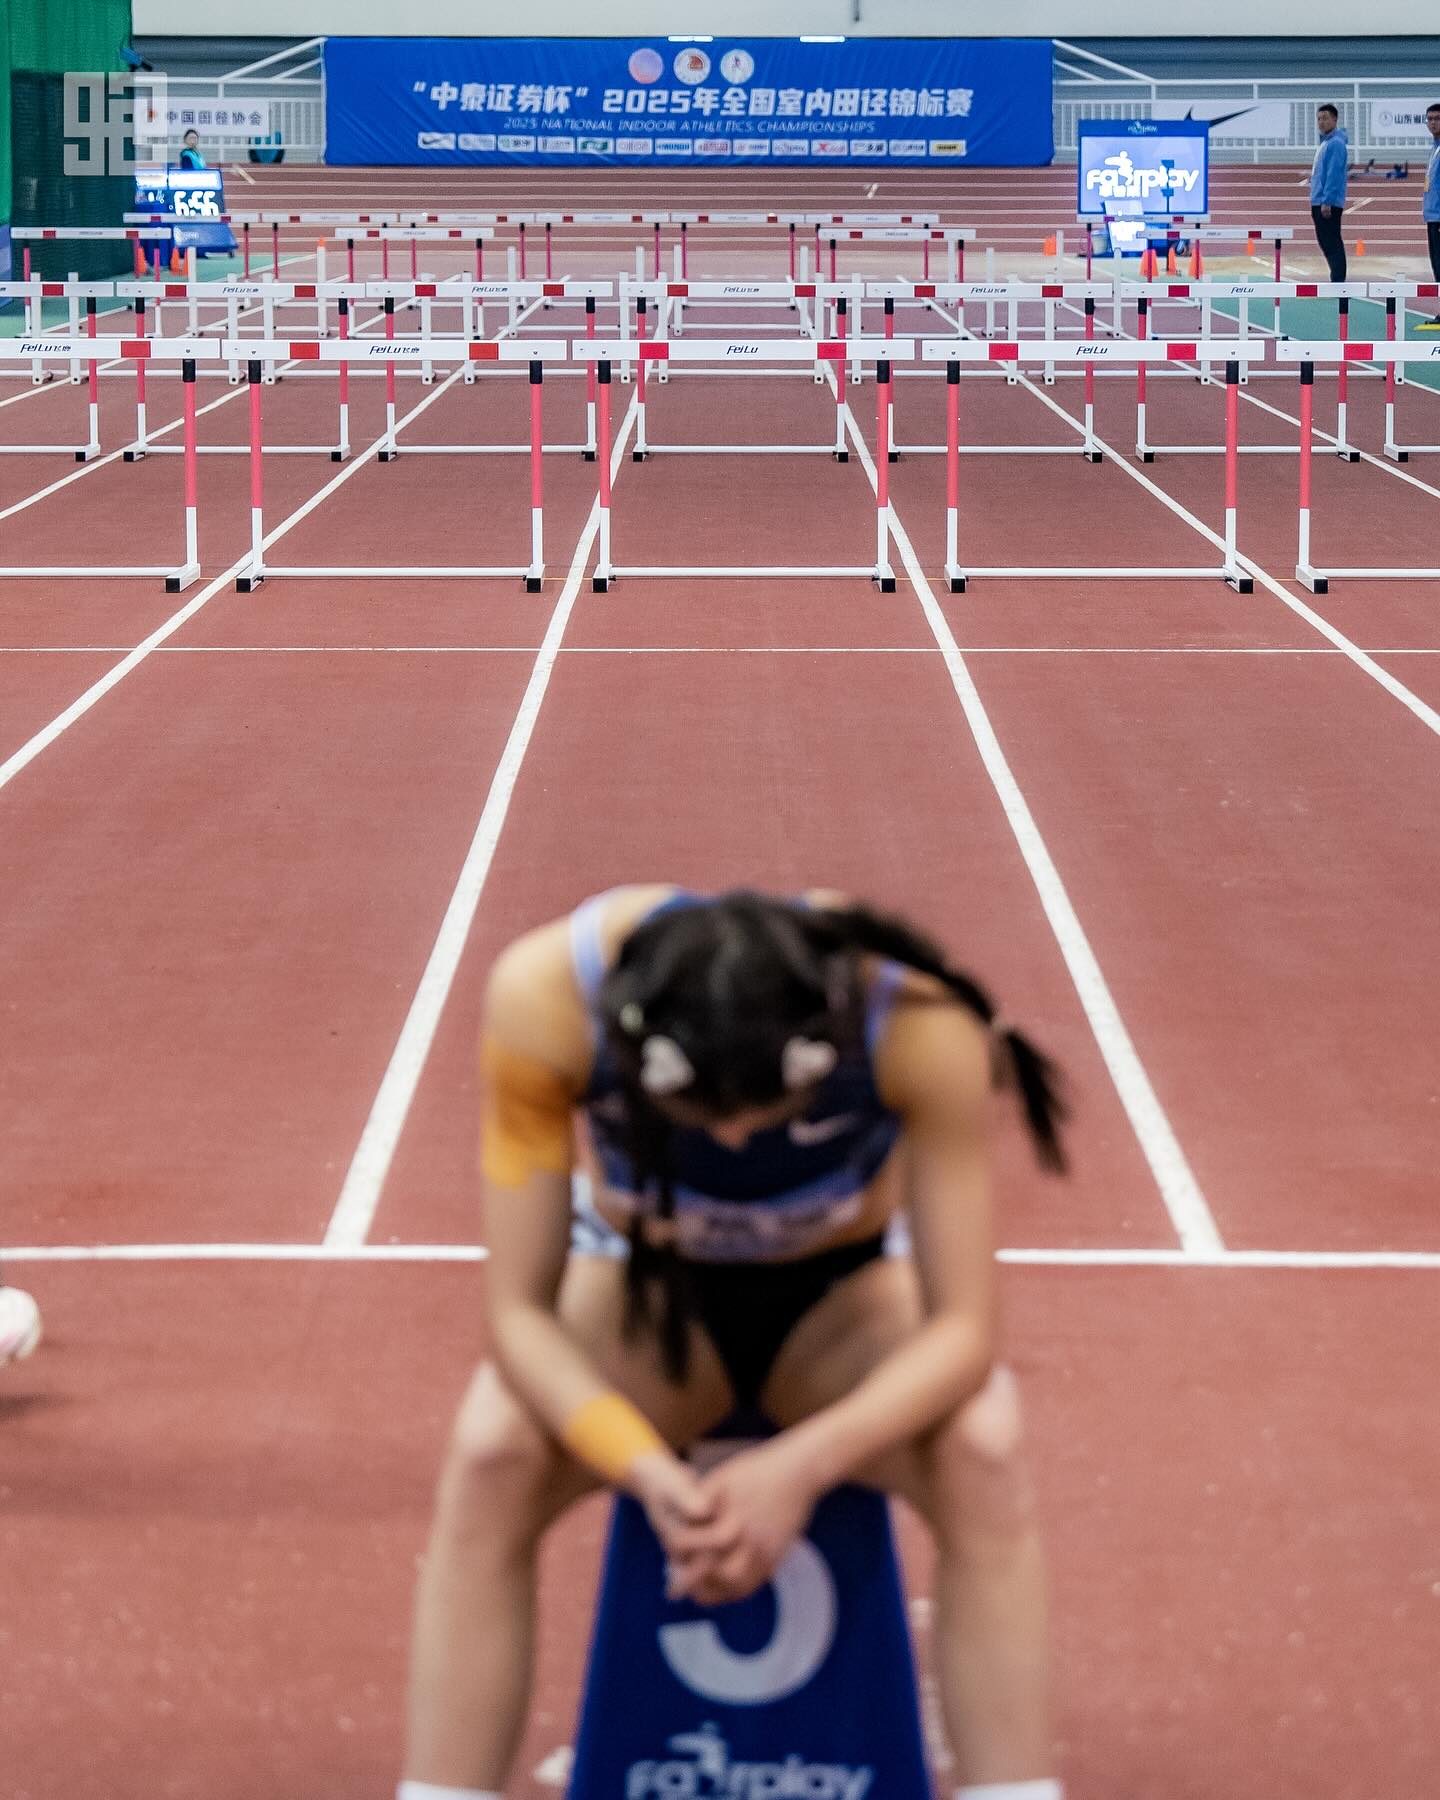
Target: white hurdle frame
{"points": [[73, 292], [347, 351], [1308, 355], [1105, 350], [187, 352], [837, 447], [1392, 293], [750, 353]]}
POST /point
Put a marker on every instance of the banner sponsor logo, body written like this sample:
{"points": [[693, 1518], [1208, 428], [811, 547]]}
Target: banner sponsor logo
{"points": [[1400, 118], [435, 140], [701, 1766]]}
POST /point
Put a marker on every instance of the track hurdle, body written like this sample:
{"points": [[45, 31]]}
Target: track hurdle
{"points": [[414, 235], [1342, 292], [747, 353], [1394, 294], [350, 351], [1100, 350], [1309, 356], [953, 237], [462, 292], [835, 447], [77, 294], [938, 295], [139, 351]]}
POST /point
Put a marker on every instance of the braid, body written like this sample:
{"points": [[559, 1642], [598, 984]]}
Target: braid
{"points": [[1036, 1077]]}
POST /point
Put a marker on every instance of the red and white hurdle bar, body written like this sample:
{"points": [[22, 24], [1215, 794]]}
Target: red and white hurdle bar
{"points": [[187, 352], [1394, 293], [954, 238], [350, 351], [1308, 356], [749, 353], [1102, 350]]}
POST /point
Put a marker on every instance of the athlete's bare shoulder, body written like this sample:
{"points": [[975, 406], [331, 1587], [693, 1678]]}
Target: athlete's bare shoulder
{"points": [[533, 1004]]}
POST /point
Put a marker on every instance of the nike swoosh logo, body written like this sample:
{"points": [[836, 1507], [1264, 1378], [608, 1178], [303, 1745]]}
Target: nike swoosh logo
{"points": [[1222, 118], [807, 1132]]}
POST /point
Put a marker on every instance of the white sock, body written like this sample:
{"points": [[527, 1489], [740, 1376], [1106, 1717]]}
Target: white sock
{"points": [[1003, 1790], [425, 1790]]}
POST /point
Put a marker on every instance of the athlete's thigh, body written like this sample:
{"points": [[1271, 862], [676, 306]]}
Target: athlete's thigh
{"points": [[836, 1345], [592, 1310]]}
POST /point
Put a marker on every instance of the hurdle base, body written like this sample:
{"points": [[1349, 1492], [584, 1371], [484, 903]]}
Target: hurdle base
{"points": [[1345, 454], [893, 456], [599, 584], [1399, 456], [843, 456], [133, 456], [588, 455], [247, 584], [1306, 576], [340, 454], [534, 584], [1241, 584], [1093, 456], [955, 578], [884, 579], [182, 578], [387, 456], [1145, 456], [639, 456], [83, 456]]}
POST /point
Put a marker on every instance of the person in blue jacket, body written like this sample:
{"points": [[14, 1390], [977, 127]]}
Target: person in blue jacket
{"points": [[1327, 188], [1430, 206], [190, 157]]}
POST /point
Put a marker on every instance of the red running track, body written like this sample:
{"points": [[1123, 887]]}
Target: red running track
{"points": [[224, 879]]}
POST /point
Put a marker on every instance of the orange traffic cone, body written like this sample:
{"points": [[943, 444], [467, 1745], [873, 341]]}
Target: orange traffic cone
{"points": [[1048, 247], [140, 268], [1197, 262], [177, 265], [1359, 246], [1149, 263], [1172, 267]]}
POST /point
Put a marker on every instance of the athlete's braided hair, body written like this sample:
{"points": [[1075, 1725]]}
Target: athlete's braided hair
{"points": [[729, 987]]}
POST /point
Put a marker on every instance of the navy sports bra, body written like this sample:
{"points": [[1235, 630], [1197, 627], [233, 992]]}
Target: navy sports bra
{"points": [[790, 1188]]}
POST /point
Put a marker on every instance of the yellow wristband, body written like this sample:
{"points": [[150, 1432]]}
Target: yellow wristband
{"points": [[609, 1435]]}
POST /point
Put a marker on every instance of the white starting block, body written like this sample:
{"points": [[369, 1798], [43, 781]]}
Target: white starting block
{"points": [[806, 1689]]}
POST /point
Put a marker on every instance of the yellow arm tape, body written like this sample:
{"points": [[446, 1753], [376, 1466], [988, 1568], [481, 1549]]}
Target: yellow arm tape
{"points": [[610, 1435], [525, 1122]]}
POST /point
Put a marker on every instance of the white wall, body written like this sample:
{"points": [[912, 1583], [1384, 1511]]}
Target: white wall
{"points": [[770, 18]]}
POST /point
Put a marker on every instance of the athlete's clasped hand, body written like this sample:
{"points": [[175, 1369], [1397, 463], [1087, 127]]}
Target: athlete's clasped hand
{"points": [[725, 1533]]}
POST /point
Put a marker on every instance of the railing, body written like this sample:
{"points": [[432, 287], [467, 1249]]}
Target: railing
{"points": [[1088, 86], [291, 83]]}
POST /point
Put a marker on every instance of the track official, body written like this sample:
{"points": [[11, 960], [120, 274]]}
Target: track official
{"points": [[1328, 179]]}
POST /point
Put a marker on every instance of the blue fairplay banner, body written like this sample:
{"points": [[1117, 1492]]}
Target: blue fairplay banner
{"points": [[637, 102]]}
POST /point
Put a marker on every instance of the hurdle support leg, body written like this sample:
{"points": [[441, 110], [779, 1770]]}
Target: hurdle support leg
{"points": [[342, 447], [587, 453], [954, 574], [92, 441], [884, 576], [600, 581], [190, 569], [1304, 569], [841, 451], [1091, 451], [535, 574], [1342, 389], [1234, 577], [136, 450], [641, 451], [389, 448], [1391, 448], [253, 573], [893, 453], [1143, 452]]}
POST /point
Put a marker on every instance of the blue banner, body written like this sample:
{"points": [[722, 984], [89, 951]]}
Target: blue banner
{"points": [[643, 103]]}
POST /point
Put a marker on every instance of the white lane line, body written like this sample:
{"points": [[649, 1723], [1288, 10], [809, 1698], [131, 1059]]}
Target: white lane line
{"points": [[1309, 1260], [1189, 1214], [61, 723], [710, 650], [240, 170], [365, 1179]]}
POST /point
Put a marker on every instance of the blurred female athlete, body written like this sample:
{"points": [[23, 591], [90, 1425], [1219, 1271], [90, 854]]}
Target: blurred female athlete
{"points": [[704, 1120]]}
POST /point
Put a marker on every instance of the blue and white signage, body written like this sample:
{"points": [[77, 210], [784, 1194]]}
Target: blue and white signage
{"points": [[1155, 167], [934, 102], [807, 1689]]}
